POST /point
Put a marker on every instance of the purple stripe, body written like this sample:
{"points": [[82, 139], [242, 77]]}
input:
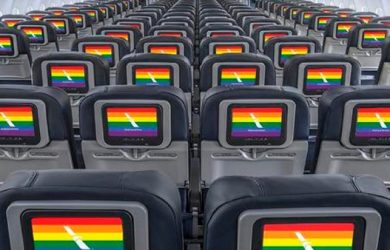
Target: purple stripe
{"points": [[133, 134], [249, 134], [17, 133]]}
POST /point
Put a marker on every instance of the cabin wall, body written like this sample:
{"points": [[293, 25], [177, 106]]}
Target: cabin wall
{"points": [[23, 6]]}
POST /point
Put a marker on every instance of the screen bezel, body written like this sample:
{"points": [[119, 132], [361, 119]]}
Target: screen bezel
{"points": [[4, 20], [83, 23], [317, 28], [222, 67], [161, 33], [307, 92], [358, 237], [262, 41], [44, 33], [28, 215], [216, 45], [74, 91], [170, 68]]}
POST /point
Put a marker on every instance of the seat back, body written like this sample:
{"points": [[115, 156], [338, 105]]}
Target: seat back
{"points": [[57, 11], [15, 57], [220, 31], [353, 136], [173, 30], [302, 20], [382, 78], [37, 15], [42, 37], [226, 45], [96, 16], [129, 34], [141, 24], [239, 137], [337, 33], [253, 23], [36, 129], [262, 35], [318, 24], [11, 20], [217, 21], [90, 209], [115, 136], [366, 17], [297, 212], [314, 74], [75, 73], [83, 22], [65, 29], [383, 20], [282, 49]]}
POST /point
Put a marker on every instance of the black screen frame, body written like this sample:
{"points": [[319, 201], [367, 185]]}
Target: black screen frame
{"points": [[164, 45], [41, 42]]}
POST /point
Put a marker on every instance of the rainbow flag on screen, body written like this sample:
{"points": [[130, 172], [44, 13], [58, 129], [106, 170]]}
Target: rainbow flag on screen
{"points": [[222, 34], [270, 35], [35, 34], [257, 122], [319, 236], [132, 122], [153, 76], [344, 28], [174, 34], [16, 121], [92, 15], [68, 76], [78, 19], [59, 26], [224, 49], [366, 19], [289, 51], [373, 122], [322, 22], [12, 22], [306, 17], [324, 78], [37, 17], [116, 34], [374, 38], [58, 12], [158, 49], [75, 233], [238, 76], [6, 45], [102, 50], [344, 14]]}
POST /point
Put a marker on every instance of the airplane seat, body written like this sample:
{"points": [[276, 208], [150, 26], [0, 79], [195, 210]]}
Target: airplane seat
{"points": [[108, 14], [262, 35], [291, 15], [65, 29], [383, 75], [42, 37], [282, 49], [57, 11], [382, 20], [167, 45], [314, 74], [302, 20], [139, 23], [15, 57], [11, 20], [111, 49], [150, 17], [173, 30], [220, 31], [365, 42], [130, 34], [83, 209], [253, 23], [318, 24], [178, 14], [176, 21], [217, 21], [353, 135], [249, 131], [337, 33], [366, 17], [96, 16], [281, 12], [297, 212], [242, 17], [36, 129], [226, 45], [37, 15], [245, 69], [83, 22], [75, 73], [133, 128]]}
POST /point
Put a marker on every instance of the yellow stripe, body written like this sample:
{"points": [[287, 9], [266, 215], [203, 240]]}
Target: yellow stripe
{"points": [[314, 242], [84, 236]]}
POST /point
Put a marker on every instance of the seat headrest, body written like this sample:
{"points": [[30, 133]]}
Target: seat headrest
{"points": [[218, 20], [292, 68], [176, 21], [355, 35], [220, 30], [258, 33], [207, 71], [101, 68], [383, 20], [23, 43], [137, 35], [86, 17], [156, 30], [230, 197], [132, 22], [51, 33], [94, 13], [253, 23], [59, 115], [161, 200], [214, 96], [331, 28], [107, 11], [385, 52], [246, 44], [168, 40], [319, 21], [71, 23], [174, 96], [37, 14], [12, 17], [185, 69], [363, 15]]}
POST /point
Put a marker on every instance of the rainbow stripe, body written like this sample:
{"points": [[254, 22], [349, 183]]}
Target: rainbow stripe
{"points": [[12, 22], [324, 78], [270, 35], [344, 14], [373, 122], [68, 76], [222, 34], [294, 14], [238, 76], [374, 38], [169, 33], [366, 19], [117, 34], [37, 17], [343, 29], [78, 19], [163, 49], [92, 14], [320, 236], [153, 76], [231, 49], [58, 12], [132, 122], [59, 26], [103, 10], [6, 45], [387, 23], [131, 24], [306, 17], [16, 121], [257, 122], [75, 233], [105, 51], [323, 22], [35, 34], [289, 51]]}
